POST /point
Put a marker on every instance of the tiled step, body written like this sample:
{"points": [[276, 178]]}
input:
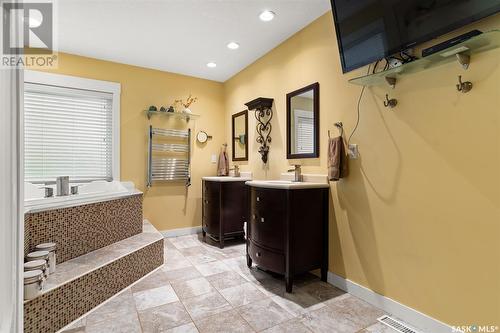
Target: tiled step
{"points": [[82, 283]]}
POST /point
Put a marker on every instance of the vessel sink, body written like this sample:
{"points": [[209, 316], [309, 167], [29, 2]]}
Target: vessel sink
{"points": [[285, 184]]}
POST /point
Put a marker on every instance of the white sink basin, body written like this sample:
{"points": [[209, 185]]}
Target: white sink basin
{"points": [[226, 179], [286, 184]]}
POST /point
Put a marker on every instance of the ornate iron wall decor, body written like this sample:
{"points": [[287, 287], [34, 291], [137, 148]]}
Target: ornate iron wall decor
{"points": [[263, 115]]}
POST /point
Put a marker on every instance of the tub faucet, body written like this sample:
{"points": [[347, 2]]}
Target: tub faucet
{"points": [[62, 186], [298, 173], [49, 192]]}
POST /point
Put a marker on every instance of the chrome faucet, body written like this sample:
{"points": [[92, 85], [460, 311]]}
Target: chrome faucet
{"points": [[49, 191], [298, 173], [236, 169], [62, 186]]}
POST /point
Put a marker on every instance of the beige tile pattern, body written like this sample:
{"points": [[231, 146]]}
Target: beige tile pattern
{"points": [[224, 295], [164, 317], [328, 320], [181, 274], [128, 324], [291, 326], [212, 268], [157, 279], [378, 328], [82, 229], [225, 322], [119, 306], [191, 288], [187, 328], [226, 280], [151, 298], [243, 294], [356, 310], [264, 314], [206, 305]]}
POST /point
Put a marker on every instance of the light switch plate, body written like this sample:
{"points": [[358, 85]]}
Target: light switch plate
{"points": [[353, 151], [214, 158]]}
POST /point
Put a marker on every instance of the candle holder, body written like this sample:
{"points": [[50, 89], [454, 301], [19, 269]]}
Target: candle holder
{"points": [[263, 114]]}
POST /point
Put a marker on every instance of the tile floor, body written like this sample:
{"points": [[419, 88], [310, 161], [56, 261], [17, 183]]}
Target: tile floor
{"points": [[202, 288]]}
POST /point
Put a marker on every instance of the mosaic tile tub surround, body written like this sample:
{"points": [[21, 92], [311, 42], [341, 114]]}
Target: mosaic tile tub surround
{"points": [[82, 229], [81, 284]]}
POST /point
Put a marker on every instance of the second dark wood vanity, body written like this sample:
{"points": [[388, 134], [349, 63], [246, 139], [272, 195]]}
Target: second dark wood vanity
{"points": [[288, 231], [225, 207]]}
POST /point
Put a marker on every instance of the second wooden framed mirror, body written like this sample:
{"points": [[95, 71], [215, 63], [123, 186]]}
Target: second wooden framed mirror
{"points": [[302, 120], [240, 136]]}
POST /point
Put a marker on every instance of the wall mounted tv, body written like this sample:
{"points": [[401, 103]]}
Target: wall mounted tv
{"points": [[370, 30]]}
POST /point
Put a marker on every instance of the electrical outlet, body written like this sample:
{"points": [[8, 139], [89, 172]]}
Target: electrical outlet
{"points": [[214, 158], [353, 151]]}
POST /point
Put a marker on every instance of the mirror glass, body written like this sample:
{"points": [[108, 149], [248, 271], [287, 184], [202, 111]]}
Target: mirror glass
{"points": [[303, 122], [240, 136]]}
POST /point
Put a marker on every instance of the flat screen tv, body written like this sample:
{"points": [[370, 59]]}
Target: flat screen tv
{"points": [[370, 30]]}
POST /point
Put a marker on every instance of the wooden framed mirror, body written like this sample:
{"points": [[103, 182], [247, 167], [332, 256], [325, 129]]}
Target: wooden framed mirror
{"points": [[240, 136], [302, 122]]}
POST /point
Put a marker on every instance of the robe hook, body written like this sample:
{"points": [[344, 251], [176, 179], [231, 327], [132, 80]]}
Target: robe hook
{"points": [[464, 87], [391, 103]]}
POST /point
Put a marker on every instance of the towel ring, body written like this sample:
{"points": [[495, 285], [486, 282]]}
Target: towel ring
{"points": [[340, 127]]}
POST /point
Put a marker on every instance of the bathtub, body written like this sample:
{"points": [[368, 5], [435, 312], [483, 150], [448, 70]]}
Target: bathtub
{"points": [[97, 191]]}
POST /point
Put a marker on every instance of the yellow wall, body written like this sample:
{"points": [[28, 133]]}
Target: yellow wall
{"points": [[167, 206], [418, 218]]}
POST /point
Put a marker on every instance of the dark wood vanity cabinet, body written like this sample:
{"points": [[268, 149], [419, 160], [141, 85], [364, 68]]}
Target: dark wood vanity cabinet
{"points": [[288, 231], [225, 208]]}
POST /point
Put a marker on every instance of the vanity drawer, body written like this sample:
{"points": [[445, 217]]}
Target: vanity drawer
{"points": [[268, 231], [266, 259], [267, 218], [269, 201]]}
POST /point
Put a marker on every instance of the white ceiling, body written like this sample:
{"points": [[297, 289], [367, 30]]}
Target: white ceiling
{"points": [[181, 36]]}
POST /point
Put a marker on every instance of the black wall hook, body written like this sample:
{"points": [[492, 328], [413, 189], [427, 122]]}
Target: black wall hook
{"points": [[464, 87], [391, 103]]}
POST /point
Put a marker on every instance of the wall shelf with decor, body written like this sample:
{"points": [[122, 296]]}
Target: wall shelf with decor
{"points": [[177, 115], [461, 52]]}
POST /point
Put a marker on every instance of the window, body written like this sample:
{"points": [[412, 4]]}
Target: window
{"points": [[304, 131], [71, 128]]}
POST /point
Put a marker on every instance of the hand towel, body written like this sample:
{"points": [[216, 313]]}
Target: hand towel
{"points": [[337, 159], [223, 163]]}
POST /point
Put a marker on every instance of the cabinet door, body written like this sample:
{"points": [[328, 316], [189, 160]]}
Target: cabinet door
{"points": [[211, 202], [234, 206], [268, 217]]}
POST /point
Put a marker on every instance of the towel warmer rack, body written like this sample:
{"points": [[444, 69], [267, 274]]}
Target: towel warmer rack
{"points": [[163, 168]]}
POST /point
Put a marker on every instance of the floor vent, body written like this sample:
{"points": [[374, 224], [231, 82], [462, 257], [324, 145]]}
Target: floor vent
{"points": [[396, 325]]}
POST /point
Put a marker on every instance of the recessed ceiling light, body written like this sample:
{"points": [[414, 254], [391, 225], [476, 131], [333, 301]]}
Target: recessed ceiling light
{"points": [[233, 45], [267, 15], [211, 65]]}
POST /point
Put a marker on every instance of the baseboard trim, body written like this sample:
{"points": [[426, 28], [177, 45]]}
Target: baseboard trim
{"points": [[181, 232], [411, 316]]}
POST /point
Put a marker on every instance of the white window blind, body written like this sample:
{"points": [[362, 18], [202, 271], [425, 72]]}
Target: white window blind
{"points": [[68, 132], [304, 132]]}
